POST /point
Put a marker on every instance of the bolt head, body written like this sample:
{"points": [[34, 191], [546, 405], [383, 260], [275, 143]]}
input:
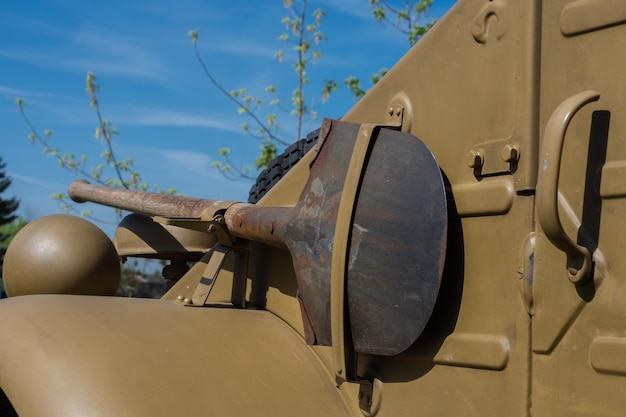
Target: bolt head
{"points": [[475, 158], [510, 153]]}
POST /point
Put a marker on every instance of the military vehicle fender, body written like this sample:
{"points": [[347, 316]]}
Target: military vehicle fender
{"points": [[66, 356]]}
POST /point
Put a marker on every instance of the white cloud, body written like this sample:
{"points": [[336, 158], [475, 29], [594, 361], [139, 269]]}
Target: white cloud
{"points": [[85, 49], [14, 93], [179, 162], [245, 48], [123, 63], [354, 8], [156, 117], [18, 24], [35, 181], [194, 162], [114, 54], [188, 171]]}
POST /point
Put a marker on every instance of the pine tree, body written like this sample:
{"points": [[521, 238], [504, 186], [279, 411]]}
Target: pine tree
{"points": [[7, 209]]}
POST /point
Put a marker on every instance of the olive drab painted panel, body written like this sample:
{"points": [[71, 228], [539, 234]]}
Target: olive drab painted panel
{"points": [[469, 91], [579, 329]]}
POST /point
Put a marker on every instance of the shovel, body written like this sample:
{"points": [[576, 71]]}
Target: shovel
{"points": [[367, 235]]}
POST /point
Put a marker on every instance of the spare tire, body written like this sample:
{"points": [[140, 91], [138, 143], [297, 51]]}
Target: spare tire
{"points": [[280, 165]]}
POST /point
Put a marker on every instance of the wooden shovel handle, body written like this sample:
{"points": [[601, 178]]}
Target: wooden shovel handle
{"points": [[143, 202], [248, 221]]}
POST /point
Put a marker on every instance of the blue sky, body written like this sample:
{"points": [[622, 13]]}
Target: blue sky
{"points": [[170, 119]]}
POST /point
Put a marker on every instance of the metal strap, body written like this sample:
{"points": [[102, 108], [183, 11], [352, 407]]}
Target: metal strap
{"points": [[201, 294]]}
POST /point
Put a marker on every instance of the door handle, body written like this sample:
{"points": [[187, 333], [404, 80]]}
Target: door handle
{"points": [[548, 183]]}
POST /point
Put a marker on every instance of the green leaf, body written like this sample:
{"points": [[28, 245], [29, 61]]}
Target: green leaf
{"points": [[354, 85], [268, 152], [319, 14], [279, 56], [327, 89], [271, 118], [374, 78], [379, 13]]}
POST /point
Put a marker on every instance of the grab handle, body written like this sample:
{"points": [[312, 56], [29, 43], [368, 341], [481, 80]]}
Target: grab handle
{"points": [[548, 182]]}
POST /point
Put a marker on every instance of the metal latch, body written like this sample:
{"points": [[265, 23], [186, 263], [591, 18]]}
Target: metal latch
{"points": [[208, 278], [370, 397], [217, 255], [497, 157]]}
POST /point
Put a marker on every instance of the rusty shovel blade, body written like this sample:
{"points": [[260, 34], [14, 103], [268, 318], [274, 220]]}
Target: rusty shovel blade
{"points": [[396, 245]]}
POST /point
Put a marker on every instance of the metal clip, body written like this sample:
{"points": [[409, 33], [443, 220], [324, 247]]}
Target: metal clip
{"points": [[370, 397], [208, 278]]}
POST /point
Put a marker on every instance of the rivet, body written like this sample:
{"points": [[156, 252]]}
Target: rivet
{"points": [[188, 301], [475, 159], [212, 228], [398, 111], [180, 298], [390, 111]]}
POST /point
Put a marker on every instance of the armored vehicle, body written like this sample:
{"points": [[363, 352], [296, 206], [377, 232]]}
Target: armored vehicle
{"points": [[450, 247]]}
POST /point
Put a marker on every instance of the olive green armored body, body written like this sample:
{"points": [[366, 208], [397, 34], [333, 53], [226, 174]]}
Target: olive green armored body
{"points": [[452, 247]]}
